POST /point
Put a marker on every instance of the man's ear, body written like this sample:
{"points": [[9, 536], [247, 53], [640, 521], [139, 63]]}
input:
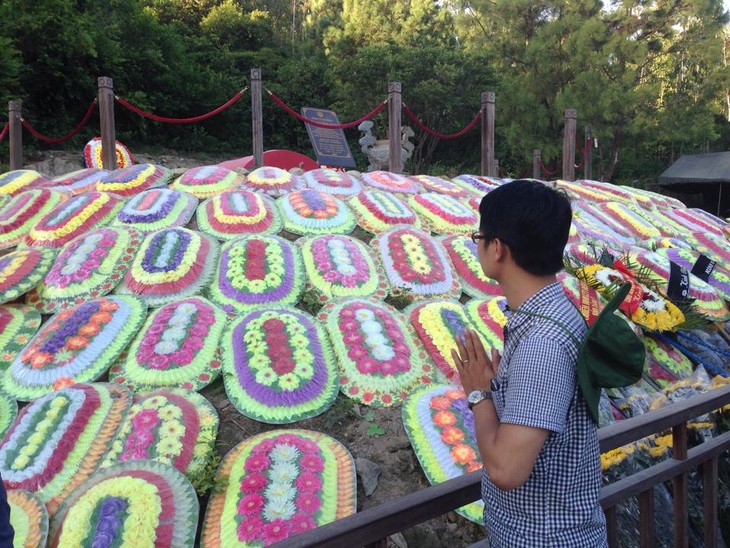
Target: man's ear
{"points": [[501, 251]]}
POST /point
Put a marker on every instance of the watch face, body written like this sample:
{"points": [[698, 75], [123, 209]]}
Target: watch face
{"points": [[474, 396]]}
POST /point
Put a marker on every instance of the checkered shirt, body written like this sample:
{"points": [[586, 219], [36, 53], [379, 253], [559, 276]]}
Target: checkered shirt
{"points": [[536, 386]]}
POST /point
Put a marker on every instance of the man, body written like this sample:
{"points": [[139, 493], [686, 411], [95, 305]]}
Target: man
{"points": [[536, 437]]}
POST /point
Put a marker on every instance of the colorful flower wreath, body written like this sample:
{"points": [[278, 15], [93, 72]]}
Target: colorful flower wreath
{"points": [[131, 180], [616, 193], [693, 220], [176, 347], [339, 266], [16, 181], [652, 200], [207, 181], [8, 412], [337, 183], [391, 182], [476, 184], [438, 323], [141, 503], [640, 228], [718, 276], [597, 226], [279, 484], [464, 256], [174, 426], [60, 439], [378, 211], [74, 217], [93, 150], [22, 270], [715, 247], [156, 209], [278, 366], [235, 213], [89, 266], [443, 214], [430, 183], [257, 271], [23, 211], [272, 181], [171, 264], [79, 181], [489, 317], [579, 192], [414, 260], [18, 324], [441, 430], [311, 212], [584, 297], [75, 345], [29, 518], [706, 300], [659, 221], [666, 363], [380, 360]]}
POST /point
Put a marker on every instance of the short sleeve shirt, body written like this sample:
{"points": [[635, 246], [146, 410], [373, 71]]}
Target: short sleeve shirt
{"points": [[536, 386]]}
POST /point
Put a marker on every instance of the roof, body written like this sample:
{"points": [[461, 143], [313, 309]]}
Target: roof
{"points": [[710, 168]]}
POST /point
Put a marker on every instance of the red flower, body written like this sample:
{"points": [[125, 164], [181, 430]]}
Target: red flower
{"points": [[312, 463], [256, 463], [253, 483], [302, 522], [307, 482], [276, 530], [307, 502], [249, 529], [251, 505]]}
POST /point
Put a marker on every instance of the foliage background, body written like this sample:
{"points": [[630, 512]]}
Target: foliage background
{"points": [[650, 76]]}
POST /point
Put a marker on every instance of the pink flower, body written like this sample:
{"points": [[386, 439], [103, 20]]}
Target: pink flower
{"points": [[308, 447], [147, 418], [253, 483], [302, 522], [264, 446], [307, 482], [367, 366], [250, 505], [330, 276], [307, 502], [388, 368], [256, 463], [183, 356], [312, 463], [143, 439], [276, 530], [249, 529], [290, 439], [194, 343]]}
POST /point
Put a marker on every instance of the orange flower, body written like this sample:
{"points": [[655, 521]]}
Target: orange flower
{"points": [[444, 418], [454, 394], [473, 466], [77, 343], [108, 306], [39, 359], [452, 435], [463, 454], [63, 382], [440, 403], [100, 318], [64, 315], [89, 330]]}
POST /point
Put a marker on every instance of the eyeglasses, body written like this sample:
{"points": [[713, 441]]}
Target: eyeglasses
{"points": [[476, 236]]}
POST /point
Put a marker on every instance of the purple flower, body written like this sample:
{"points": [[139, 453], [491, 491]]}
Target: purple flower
{"points": [[109, 522], [70, 327], [158, 243]]}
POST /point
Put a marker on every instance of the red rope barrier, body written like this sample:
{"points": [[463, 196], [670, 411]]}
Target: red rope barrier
{"points": [[428, 130], [582, 153], [546, 170], [294, 113], [5, 130], [191, 120], [74, 131]]}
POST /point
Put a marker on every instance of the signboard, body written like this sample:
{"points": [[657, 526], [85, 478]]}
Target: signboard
{"points": [[329, 144]]}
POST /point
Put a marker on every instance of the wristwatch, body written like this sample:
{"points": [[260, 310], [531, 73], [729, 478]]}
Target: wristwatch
{"points": [[475, 396]]}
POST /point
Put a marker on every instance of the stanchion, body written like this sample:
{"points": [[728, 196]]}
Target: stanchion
{"points": [[395, 102], [15, 119], [106, 119], [488, 165], [536, 164], [588, 154], [569, 145], [257, 118]]}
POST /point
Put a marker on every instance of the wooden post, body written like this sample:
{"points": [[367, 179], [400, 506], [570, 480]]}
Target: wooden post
{"points": [[488, 165], [588, 154], [106, 121], [395, 102], [257, 118], [680, 486], [536, 164], [496, 169], [15, 131], [569, 145], [710, 495]]}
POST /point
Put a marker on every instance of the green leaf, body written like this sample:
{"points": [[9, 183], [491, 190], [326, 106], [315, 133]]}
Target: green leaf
{"points": [[375, 430]]}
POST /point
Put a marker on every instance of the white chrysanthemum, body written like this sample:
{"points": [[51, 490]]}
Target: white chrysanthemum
{"points": [[383, 353], [166, 347], [173, 334], [284, 472], [279, 508], [371, 327], [653, 303], [607, 276], [363, 314], [284, 452], [375, 340], [280, 491], [186, 308]]}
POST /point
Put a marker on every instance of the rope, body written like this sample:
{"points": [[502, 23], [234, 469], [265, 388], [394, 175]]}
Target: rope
{"points": [[191, 120], [428, 130], [546, 170], [74, 131], [711, 368], [294, 113], [5, 130], [582, 153]]}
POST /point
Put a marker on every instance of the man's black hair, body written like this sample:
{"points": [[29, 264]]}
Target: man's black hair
{"points": [[532, 219]]}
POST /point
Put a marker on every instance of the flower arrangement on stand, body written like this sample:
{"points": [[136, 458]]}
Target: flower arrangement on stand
{"points": [[157, 208], [140, 503], [441, 430], [279, 484], [73, 218], [235, 213], [415, 260], [380, 360], [444, 214], [29, 518], [23, 211], [666, 363], [272, 181], [89, 266], [207, 181], [463, 254], [256, 271], [171, 264], [173, 426], [311, 212], [176, 347], [339, 184], [23, 269], [75, 345], [279, 366], [378, 211], [133, 179], [93, 159], [18, 324], [339, 266], [60, 439]]}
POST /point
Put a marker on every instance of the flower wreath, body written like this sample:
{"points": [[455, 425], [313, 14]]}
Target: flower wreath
{"points": [[29, 518], [341, 185], [378, 211], [18, 324], [272, 181], [18, 180], [131, 180], [79, 181], [312, 212], [22, 212], [157, 208], [23, 269], [207, 181], [235, 213], [443, 214]]}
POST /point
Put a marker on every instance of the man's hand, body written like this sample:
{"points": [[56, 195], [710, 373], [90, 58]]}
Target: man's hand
{"points": [[476, 369]]}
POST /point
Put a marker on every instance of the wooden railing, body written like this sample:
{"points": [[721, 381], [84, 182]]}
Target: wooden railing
{"points": [[401, 513]]}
